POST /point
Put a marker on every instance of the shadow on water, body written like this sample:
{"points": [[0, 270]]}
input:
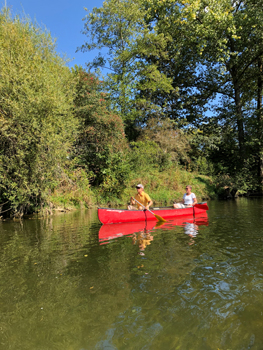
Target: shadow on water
{"points": [[66, 282]]}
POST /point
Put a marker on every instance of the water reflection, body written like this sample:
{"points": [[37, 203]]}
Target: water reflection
{"points": [[142, 239], [67, 282]]}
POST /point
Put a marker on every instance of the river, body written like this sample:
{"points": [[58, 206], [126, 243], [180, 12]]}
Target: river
{"points": [[67, 282]]}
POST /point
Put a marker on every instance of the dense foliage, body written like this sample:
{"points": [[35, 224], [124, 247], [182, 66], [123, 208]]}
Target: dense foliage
{"points": [[210, 52], [101, 146], [36, 119], [182, 94]]}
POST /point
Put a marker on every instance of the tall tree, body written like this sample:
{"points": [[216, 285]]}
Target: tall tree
{"points": [[232, 47], [36, 121], [224, 45], [101, 146], [118, 29], [211, 53]]}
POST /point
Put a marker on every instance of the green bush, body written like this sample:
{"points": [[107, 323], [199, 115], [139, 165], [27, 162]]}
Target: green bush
{"points": [[37, 125]]}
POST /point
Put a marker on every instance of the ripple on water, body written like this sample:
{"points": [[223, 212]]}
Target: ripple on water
{"points": [[61, 287]]}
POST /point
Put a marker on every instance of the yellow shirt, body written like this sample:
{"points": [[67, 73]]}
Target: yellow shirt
{"points": [[143, 198]]}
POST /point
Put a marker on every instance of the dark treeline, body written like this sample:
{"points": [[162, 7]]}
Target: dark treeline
{"points": [[181, 102]]}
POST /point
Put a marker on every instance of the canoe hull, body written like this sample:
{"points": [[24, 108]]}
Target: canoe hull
{"points": [[112, 231], [113, 216]]}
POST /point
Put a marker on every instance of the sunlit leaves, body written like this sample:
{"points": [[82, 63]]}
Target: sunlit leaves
{"points": [[36, 123], [126, 40]]}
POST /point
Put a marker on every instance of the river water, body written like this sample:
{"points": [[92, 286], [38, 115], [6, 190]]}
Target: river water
{"points": [[67, 282]]}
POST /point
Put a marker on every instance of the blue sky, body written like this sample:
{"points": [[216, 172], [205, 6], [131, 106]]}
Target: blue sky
{"points": [[64, 21]]}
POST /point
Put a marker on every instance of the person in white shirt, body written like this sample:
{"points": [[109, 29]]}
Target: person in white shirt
{"points": [[189, 199]]}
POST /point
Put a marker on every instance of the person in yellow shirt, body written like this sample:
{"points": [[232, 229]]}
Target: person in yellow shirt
{"points": [[142, 198]]}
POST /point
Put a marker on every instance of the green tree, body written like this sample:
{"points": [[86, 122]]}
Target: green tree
{"points": [[120, 30], [231, 46], [36, 120], [174, 143], [101, 146], [210, 52], [224, 51]]}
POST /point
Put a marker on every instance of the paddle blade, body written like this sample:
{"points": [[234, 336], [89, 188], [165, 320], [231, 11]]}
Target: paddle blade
{"points": [[159, 224], [159, 218], [201, 206]]}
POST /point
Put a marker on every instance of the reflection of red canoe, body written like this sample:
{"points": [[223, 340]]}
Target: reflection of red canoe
{"points": [[112, 216], [198, 220], [111, 231]]}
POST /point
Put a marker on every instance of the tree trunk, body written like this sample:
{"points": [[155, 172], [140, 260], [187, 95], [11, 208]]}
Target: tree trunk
{"points": [[239, 117], [234, 71], [259, 122]]}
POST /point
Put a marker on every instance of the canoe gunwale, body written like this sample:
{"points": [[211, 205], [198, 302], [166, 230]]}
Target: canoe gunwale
{"points": [[154, 208]]}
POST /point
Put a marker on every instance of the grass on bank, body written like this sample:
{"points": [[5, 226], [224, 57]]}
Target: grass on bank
{"points": [[163, 187]]}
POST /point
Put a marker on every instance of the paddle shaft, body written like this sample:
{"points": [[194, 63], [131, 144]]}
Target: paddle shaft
{"points": [[158, 217], [142, 205]]}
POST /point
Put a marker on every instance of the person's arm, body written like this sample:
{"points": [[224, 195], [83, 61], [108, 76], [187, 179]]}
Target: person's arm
{"points": [[149, 204], [149, 201], [194, 200], [132, 201]]}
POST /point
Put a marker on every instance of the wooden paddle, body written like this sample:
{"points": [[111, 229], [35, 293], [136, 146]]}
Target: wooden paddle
{"points": [[158, 217]]}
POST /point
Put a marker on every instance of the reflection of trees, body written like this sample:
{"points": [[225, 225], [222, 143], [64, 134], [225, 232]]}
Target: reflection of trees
{"points": [[58, 298], [60, 289], [54, 296], [185, 290], [37, 295]]}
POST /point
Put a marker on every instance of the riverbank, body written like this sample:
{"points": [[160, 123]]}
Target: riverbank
{"points": [[163, 187]]}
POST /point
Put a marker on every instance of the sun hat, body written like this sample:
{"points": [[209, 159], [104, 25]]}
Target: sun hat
{"points": [[140, 186]]}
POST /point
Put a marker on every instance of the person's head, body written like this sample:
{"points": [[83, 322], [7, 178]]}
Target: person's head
{"points": [[139, 188], [188, 189]]}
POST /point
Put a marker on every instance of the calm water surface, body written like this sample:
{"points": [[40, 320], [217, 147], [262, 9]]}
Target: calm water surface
{"points": [[66, 282]]}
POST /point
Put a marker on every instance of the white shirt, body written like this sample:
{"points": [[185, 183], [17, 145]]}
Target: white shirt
{"points": [[189, 199]]}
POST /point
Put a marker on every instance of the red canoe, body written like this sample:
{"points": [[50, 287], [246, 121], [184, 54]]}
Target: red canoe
{"points": [[108, 232], [114, 216]]}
